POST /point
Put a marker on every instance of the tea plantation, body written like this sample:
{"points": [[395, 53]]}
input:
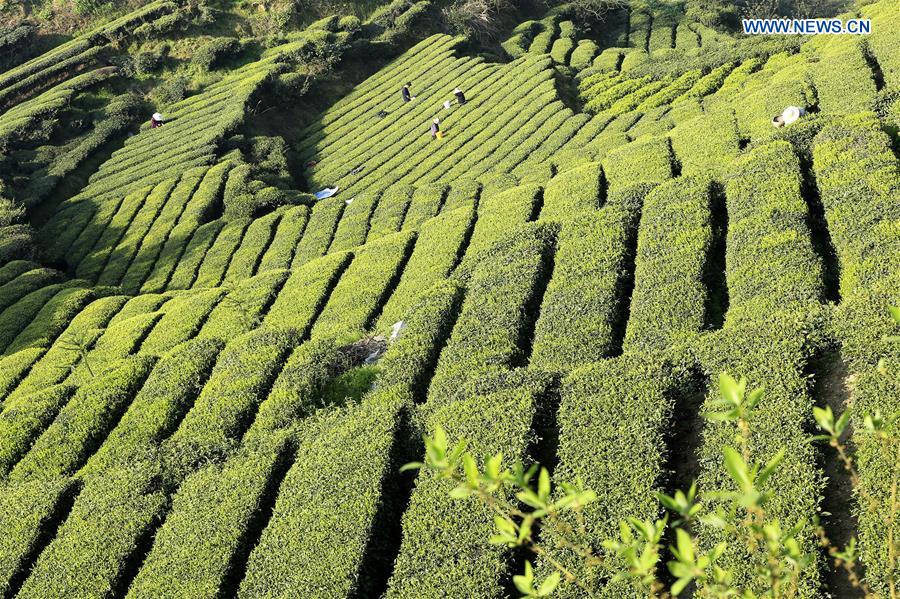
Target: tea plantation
{"points": [[194, 401]]}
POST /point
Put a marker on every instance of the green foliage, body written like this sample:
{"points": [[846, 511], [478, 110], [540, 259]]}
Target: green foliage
{"points": [[207, 525], [14, 367], [71, 346], [437, 251], [581, 311], [487, 338], [22, 420], [105, 527], [705, 145], [857, 177], [305, 292], [647, 160], [182, 318], [673, 245], [583, 54], [319, 232], [182, 226], [438, 531], [82, 424], [332, 499], [53, 317], [221, 414], [290, 229], [364, 287], [158, 407], [498, 214], [213, 53], [770, 257], [25, 510], [256, 240], [573, 192]]}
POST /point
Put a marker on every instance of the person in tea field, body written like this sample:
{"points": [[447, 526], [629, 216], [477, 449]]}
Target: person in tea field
{"points": [[436, 132], [790, 115], [405, 93], [460, 97], [156, 120]]}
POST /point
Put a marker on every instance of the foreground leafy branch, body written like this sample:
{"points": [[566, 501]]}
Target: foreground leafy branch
{"points": [[523, 501]]}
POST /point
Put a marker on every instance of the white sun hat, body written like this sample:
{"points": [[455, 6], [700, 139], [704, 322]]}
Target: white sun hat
{"points": [[791, 114], [157, 116]]}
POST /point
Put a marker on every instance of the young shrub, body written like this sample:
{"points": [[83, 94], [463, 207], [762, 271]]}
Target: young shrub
{"points": [[83, 423], [216, 51], [290, 229], [364, 288], [561, 49], [647, 160], [26, 511], [437, 531], [238, 196], [487, 338], [573, 192], [438, 249], [609, 60], [243, 375], [319, 232], [581, 314], [673, 245], [241, 309], [499, 214], [305, 293], [92, 548], [193, 550]]}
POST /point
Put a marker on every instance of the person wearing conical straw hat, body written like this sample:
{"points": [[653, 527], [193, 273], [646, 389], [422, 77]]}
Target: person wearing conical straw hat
{"points": [[156, 120], [460, 97], [436, 132]]}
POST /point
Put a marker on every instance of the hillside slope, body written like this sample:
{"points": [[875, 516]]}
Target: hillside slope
{"points": [[187, 407]]}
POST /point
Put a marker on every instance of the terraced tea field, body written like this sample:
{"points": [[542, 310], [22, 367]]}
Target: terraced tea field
{"points": [[190, 405]]}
